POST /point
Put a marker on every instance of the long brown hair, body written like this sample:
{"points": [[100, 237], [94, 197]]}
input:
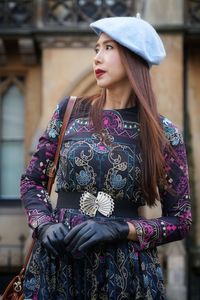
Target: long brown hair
{"points": [[152, 138]]}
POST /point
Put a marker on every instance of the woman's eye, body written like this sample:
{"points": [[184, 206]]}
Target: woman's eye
{"points": [[109, 47]]}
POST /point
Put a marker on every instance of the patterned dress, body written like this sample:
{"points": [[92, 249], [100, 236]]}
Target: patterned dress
{"points": [[110, 163]]}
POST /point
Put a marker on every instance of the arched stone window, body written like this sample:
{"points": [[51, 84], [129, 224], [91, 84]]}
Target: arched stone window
{"points": [[11, 136]]}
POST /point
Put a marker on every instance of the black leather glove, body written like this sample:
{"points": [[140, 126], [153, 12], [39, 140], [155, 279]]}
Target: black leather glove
{"points": [[90, 232], [52, 237]]}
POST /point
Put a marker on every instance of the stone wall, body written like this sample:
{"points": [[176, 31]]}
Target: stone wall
{"points": [[194, 122], [162, 12]]}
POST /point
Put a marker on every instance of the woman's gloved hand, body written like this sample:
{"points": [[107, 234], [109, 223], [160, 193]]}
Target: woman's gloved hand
{"points": [[90, 232], [52, 237]]}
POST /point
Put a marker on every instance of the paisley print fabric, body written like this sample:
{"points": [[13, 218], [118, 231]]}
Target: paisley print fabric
{"points": [[109, 162], [112, 163]]}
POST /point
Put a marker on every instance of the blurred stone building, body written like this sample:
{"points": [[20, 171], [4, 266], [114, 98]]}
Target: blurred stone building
{"points": [[46, 49]]}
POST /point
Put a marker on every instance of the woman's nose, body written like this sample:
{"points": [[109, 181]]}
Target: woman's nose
{"points": [[98, 58]]}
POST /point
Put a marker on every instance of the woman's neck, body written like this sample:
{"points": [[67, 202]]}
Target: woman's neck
{"points": [[118, 99]]}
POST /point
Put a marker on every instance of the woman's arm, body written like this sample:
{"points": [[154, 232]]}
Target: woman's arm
{"points": [[176, 217], [35, 180]]}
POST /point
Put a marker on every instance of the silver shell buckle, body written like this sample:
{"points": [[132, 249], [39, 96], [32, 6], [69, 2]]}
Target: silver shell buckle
{"points": [[103, 203]]}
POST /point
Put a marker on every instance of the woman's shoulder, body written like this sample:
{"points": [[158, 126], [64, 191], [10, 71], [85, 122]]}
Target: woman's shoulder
{"points": [[81, 106], [61, 106], [172, 132]]}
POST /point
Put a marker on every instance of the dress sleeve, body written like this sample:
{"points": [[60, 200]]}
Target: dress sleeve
{"points": [[34, 181], [176, 217]]}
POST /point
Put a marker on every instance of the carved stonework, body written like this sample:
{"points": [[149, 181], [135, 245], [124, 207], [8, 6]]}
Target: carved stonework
{"points": [[7, 81], [193, 11], [16, 13], [81, 11], [27, 51], [72, 41], [46, 14], [74, 14]]}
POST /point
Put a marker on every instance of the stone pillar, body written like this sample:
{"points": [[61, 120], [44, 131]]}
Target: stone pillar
{"points": [[162, 12], [167, 79], [168, 86], [176, 271], [194, 121]]}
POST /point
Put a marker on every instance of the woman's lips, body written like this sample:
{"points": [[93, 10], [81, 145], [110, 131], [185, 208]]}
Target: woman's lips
{"points": [[99, 72]]}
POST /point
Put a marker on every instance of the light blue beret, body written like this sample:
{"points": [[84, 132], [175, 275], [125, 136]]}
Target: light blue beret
{"points": [[135, 34]]}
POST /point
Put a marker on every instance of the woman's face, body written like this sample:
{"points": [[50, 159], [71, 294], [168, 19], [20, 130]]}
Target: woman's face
{"points": [[108, 68]]}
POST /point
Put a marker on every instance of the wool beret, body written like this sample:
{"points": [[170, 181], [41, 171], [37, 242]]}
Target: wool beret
{"points": [[135, 34]]}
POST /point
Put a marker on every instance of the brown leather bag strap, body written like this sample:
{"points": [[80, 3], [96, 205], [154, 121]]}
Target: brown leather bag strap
{"points": [[68, 111], [66, 118]]}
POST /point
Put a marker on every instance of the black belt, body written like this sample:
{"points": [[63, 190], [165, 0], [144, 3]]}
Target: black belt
{"points": [[71, 200]]}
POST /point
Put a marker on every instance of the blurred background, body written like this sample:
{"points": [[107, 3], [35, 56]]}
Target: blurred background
{"points": [[46, 50]]}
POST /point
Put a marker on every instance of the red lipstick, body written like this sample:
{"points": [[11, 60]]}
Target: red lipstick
{"points": [[99, 72]]}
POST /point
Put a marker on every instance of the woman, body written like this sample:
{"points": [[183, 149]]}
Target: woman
{"points": [[125, 155]]}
